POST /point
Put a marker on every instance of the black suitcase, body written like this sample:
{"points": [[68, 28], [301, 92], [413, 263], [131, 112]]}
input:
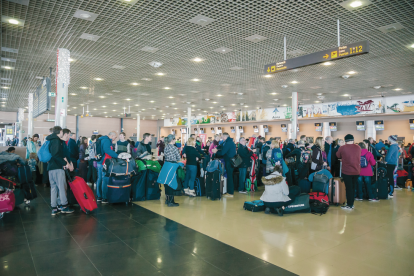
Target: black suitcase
{"points": [[153, 190], [236, 175], [119, 189], [29, 190], [382, 183], [213, 185], [138, 186], [8, 168], [24, 174]]}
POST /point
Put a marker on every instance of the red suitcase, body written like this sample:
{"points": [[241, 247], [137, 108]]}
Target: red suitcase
{"points": [[83, 194]]}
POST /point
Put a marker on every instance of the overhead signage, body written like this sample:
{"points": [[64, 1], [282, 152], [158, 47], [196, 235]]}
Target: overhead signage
{"points": [[332, 126], [379, 125], [52, 94], [360, 125], [201, 130], [212, 130], [411, 123], [127, 115], [265, 128], [173, 132], [232, 130], [284, 127], [95, 132], [345, 51], [255, 129], [240, 129], [219, 130], [318, 126], [184, 131]]}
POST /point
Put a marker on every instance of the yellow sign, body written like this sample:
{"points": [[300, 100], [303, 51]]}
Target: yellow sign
{"points": [[334, 54], [268, 69], [273, 68], [326, 56], [9, 131]]}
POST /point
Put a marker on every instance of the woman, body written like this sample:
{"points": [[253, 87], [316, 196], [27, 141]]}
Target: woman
{"points": [[366, 174], [337, 162], [171, 154], [214, 144], [277, 194], [244, 152], [192, 156], [207, 147], [83, 165], [317, 159], [92, 171]]}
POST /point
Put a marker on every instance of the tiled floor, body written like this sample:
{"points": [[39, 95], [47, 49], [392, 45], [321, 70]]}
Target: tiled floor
{"points": [[374, 239], [115, 240]]}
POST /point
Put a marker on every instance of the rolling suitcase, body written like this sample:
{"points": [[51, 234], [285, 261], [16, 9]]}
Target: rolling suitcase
{"points": [[381, 186], [82, 193], [25, 177], [7, 201], [153, 190], [24, 174], [337, 191], [254, 206], [119, 189], [138, 186], [304, 186], [213, 182]]}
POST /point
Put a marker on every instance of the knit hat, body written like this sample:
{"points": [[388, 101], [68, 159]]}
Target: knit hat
{"points": [[349, 137], [393, 138]]}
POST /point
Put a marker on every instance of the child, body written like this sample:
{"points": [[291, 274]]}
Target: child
{"points": [[32, 164], [192, 156], [122, 145]]}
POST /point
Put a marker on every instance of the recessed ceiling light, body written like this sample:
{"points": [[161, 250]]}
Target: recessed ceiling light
{"points": [[127, 99], [285, 105], [294, 82], [284, 86], [5, 87], [98, 79], [152, 101], [71, 59], [83, 87], [102, 97], [274, 93], [197, 59], [6, 67], [207, 99], [345, 95], [317, 101], [135, 83], [268, 76], [171, 97], [195, 80], [219, 95], [13, 21], [356, 4], [351, 72], [319, 94], [327, 63], [73, 94], [275, 99], [412, 45], [167, 88], [146, 79], [397, 89], [104, 106], [94, 109]]}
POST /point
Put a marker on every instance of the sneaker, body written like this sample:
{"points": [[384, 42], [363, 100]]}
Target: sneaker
{"points": [[186, 191], [98, 199], [397, 188], [358, 199], [390, 196], [66, 210], [26, 201], [267, 210], [279, 211], [60, 207], [346, 207], [191, 193], [242, 192], [228, 195], [373, 200], [55, 212], [104, 201]]}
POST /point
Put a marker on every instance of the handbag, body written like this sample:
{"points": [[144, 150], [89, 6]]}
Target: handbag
{"points": [[236, 160]]}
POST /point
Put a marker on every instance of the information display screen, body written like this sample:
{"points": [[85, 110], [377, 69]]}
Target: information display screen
{"points": [[332, 126], [240, 129], [255, 129], [183, 130], [411, 123], [266, 128], [318, 126], [379, 125], [360, 125], [41, 98], [232, 130], [284, 127], [212, 130]]}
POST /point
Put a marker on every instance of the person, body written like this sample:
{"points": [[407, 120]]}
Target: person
{"points": [[336, 171], [178, 143], [171, 154], [207, 147], [302, 156], [277, 194], [73, 149], [379, 145], [366, 174], [32, 162], [8, 142], [228, 151], [350, 154], [317, 161], [197, 145], [328, 148], [289, 147], [45, 176], [391, 159], [215, 144], [107, 153], [92, 172], [302, 138], [83, 164], [10, 155], [56, 166], [161, 145], [122, 145], [371, 148], [192, 156], [32, 145], [144, 148], [24, 141], [245, 155]]}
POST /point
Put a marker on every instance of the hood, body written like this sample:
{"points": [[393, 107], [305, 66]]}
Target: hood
{"points": [[268, 142], [272, 179], [363, 151], [103, 138], [52, 136]]}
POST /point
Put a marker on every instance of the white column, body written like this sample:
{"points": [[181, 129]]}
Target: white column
{"points": [[62, 83], [261, 131], [294, 114], [370, 130], [289, 131], [20, 118], [30, 116], [237, 134], [326, 130], [189, 121], [138, 127]]}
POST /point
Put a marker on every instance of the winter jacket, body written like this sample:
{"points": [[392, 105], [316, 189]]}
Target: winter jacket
{"points": [[367, 171], [143, 149], [73, 149], [245, 154], [258, 148], [124, 146], [31, 147], [392, 155], [82, 152], [160, 146], [379, 146], [56, 150], [317, 157], [228, 150], [265, 149], [106, 149], [276, 188], [168, 174], [8, 156], [296, 153], [191, 155], [288, 149], [328, 148], [171, 153], [351, 159]]}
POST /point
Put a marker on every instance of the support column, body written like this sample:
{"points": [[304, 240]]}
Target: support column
{"points": [[326, 130], [189, 121], [237, 134], [370, 130], [62, 83], [289, 131], [261, 131], [294, 114], [20, 118], [122, 125], [77, 127], [30, 116], [138, 127]]}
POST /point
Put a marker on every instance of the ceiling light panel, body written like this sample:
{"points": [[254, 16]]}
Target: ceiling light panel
{"points": [[85, 15], [12, 21], [223, 50], [90, 37], [149, 49], [352, 5], [201, 20]]}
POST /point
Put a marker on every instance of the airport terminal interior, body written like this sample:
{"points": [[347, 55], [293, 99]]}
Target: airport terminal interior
{"points": [[169, 81]]}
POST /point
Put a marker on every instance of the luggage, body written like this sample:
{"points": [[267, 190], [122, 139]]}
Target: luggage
{"points": [[8, 168], [153, 190], [141, 166], [44, 154], [299, 205], [19, 196], [254, 206], [8, 182], [304, 186], [236, 179], [82, 193], [29, 190], [213, 180], [116, 166], [153, 166], [119, 189], [318, 196], [7, 201], [320, 183], [200, 187], [382, 183], [337, 191], [214, 165], [138, 186], [24, 174]]}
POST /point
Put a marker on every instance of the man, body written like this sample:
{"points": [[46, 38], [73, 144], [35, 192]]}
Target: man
{"points": [[371, 148], [92, 173], [289, 148], [261, 141], [379, 145], [228, 151], [107, 153], [32, 146], [161, 145], [73, 149], [245, 154], [302, 138], [391, 159], [329, 146], [56, 166], [144, 148], [351, 168], [45, 178]]}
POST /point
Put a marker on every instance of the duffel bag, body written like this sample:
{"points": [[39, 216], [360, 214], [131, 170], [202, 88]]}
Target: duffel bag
{"points": [[7, 201], [254, 206], [117, 167], [8, 182], [8, 168], [299, 205]]}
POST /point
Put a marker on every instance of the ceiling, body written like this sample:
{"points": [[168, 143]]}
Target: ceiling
{"points": [[121, 30]]}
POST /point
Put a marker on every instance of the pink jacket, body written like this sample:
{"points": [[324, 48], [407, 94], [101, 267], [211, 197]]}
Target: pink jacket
{"points": [[367, 171]]}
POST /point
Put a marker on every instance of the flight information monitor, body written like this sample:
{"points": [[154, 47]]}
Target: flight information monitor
{"points": [[42, 98], [379, 125], [360, 125], [411, 123], [284, 127], [332, 126], [318, 126]]}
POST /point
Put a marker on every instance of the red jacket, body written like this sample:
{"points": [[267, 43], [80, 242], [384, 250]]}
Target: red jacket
{"points": [[351, 159]]}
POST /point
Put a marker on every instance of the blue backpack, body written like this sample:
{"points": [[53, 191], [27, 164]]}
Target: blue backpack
{"points": [[277, 156], [44, 153], [364, 161], [213, 166]]}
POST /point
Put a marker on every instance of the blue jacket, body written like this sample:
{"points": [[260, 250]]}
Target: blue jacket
{"points": [[392, 155], [323, 171], [106, 144], [73, 149], [168, 174], [379, 146], [229, 149]]}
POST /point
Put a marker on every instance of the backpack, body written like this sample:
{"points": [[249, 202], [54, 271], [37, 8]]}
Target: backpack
{"points": [[304, 156], [277, 156], [319, 203], [98, 150], [213, 166], [44, 154], [264, 150], [364, 161], [92, 151]]}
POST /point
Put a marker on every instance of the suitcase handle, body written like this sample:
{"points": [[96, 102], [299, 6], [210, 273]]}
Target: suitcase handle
{"points": [[68, 175], [85, 196]]}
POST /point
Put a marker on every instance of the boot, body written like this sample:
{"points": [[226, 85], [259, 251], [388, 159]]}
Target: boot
{"points": [[192, 193], [279, 211], [171, 202]]}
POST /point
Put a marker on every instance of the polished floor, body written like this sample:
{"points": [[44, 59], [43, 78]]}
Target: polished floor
{"points": [[117, 240], [377, 238]]}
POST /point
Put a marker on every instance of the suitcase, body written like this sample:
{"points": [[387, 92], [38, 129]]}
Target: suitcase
{"points": [[7, 201], [8, 182], [119, 167], [299, 205], [24, 174], [19, 196], [223, 185], [82, 193], [29, 190], [213, 183], [382, 184], [320, 183], [200, 187], [119, 189], [8, 168], [254, 206], [153, 190], [236, 179], [138, 186], [337, 191], [304, 186]]}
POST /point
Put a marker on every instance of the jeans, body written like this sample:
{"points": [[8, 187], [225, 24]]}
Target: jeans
{"points": [[242, 178], [351, 181], [102, 185], [365, 180], [190, 175], [390, 177], [58, 188], [230, 184]]}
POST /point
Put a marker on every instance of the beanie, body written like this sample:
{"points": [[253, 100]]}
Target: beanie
{"points": [[393, 138], [349, 137]]}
